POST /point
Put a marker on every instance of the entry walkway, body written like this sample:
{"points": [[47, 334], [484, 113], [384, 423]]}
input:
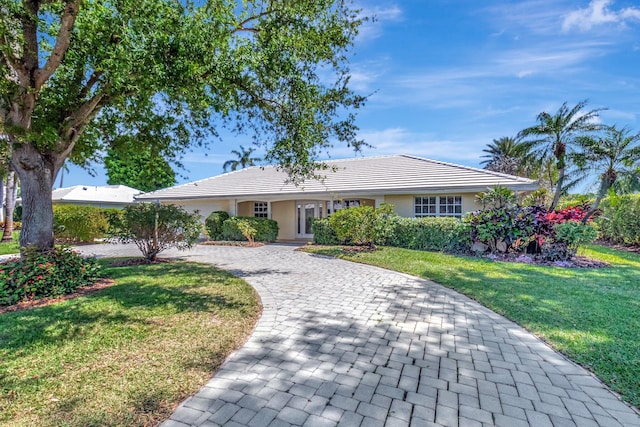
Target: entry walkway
{"points": [[344, 344]]}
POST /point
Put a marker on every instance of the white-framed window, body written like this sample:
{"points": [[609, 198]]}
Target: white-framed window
{"points": [[445, 205], [261, 209], [337, 205]]}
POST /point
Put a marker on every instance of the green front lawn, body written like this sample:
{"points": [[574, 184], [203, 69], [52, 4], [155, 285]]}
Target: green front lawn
{"points": [[591, 315], [125, 355], [7, 248]]}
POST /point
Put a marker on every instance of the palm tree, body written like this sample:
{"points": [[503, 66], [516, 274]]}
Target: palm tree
{"points": [[614, 154], [244, 159], [505, 155], [555, 135]]}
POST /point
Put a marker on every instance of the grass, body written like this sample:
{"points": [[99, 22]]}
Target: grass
{"points": [[126, 355], [590, 315], [13, 247]]}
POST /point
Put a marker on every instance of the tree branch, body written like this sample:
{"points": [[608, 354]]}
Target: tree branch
{"points": [[63, 40], [14, 63], [241, 26], [95, 78], [30, 35]]}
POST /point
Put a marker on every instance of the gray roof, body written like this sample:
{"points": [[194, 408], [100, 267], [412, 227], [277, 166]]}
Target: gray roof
{"points": [[398, 174]]}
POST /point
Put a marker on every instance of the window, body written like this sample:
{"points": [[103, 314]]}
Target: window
{"points": [[261, 209], [438, 206], [341, 204]]}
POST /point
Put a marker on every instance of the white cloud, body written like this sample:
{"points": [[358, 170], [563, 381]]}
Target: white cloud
{"points": [[372, 29], [598, 13]]}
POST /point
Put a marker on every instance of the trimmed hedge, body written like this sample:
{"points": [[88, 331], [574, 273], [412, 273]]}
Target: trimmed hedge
{"points": [[323, 234], [266, 229], [213, 224], [430, 234], [81, 223], [620, 219]]}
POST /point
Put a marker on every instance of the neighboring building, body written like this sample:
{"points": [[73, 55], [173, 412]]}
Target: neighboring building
{"points": [[415, 186], [105, 196]]}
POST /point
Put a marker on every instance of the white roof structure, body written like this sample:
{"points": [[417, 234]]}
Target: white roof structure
{"points": [[398, 174], [95, 195]]}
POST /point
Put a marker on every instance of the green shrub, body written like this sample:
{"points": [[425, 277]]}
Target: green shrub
{"points": [[247, 229], [323, 234], [154, 228], [506, 229], [54, 273], [80, 223], [364, 225], [213, 224], [430, 234], [569, 236], [266, 229], [620, 219]]}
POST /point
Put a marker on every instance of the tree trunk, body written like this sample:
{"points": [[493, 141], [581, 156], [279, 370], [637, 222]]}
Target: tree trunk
{"points": [[2, 200], [605, 185], [558, 193], [37, 173], [7, 234]]}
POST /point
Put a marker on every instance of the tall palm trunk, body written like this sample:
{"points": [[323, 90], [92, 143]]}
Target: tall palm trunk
{"points": [[558, 192]]}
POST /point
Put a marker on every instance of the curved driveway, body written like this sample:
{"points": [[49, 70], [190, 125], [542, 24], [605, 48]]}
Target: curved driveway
{"points": [[346, 344]]}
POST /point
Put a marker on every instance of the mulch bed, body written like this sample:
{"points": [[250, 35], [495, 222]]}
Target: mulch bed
{"points": [[132, 262], [85, 290], [575, 262]]}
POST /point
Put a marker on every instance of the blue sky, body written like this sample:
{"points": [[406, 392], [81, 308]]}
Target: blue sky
{"points": [[446, 77]]}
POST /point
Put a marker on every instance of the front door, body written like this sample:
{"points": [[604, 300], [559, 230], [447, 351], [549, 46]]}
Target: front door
{"points": [[306, 211]]}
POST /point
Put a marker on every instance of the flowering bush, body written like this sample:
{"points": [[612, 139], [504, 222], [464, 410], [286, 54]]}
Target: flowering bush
{"points": [[532, 229], [54, 273]]}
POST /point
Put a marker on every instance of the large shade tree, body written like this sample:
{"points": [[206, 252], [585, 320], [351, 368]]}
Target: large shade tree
{"points": [[614, 154], [274, 68], [554, 137]]}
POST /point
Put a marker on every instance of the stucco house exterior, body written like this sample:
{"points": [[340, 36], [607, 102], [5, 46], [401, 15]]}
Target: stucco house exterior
{"points": [[102, 196], [415, 186]]}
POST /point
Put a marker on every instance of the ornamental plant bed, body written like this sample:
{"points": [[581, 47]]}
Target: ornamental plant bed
{"points": [[85, 290], [132, 262]]}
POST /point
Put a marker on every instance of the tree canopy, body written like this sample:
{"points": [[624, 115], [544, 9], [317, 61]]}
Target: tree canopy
{"points": [[74, 73]]}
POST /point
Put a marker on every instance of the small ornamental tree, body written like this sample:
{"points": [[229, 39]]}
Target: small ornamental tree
{"points": [[155, 228]]}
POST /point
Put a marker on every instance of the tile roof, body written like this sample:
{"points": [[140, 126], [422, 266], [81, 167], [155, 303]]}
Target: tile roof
{"points": [[398, 174]]}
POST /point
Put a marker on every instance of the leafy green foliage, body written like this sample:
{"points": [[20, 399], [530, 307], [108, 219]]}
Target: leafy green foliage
{"points": [[276, 71], [155, 228], [323, 234], [45, 274], [620, 219], [553, 235], [266, 230], [247, 229], [138, 168], [213, 224], [430, 234], [80, 223], [496, 197], [506, 229], [568, 237], [363, 226]]}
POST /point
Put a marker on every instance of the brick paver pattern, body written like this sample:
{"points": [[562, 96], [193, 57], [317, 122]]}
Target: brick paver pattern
{"points": [[344, 344]]}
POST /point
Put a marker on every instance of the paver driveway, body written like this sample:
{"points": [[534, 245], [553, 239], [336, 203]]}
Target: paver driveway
{"points": [[353, 345]]}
